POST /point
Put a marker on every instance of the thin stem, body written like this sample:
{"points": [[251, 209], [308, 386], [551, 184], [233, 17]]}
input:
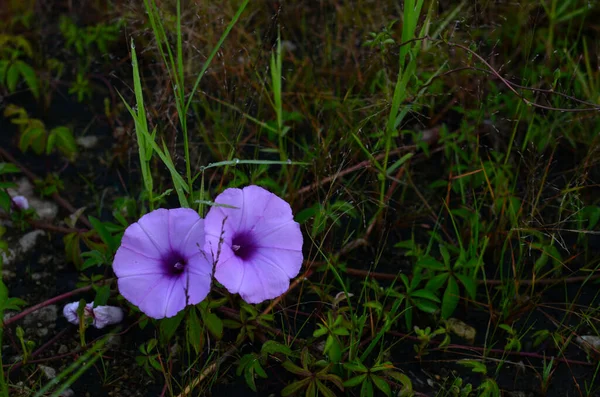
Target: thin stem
{"points": [[51, 301]]}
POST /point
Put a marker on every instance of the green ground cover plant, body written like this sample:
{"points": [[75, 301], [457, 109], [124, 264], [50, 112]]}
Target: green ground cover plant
{"points": [[440, 158]]}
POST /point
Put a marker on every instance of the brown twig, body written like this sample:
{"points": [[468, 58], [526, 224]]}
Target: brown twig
{"points": [[207, 372], [487, 350], [545, 281], [356, 167], [50, 301], [293, 285]]}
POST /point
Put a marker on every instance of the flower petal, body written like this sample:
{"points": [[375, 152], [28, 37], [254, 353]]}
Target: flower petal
{"points": [[230, 270], [288, 261], [155, 226], [198, 287], [70, 312], [174, 298], [213, 223], [185, 230], [279, 235], [107, 315], [262, 281], [129, 261], [148, 292], [274, 208], [137, 240]]}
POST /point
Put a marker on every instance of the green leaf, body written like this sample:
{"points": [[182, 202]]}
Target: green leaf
{"points": [[295, 387], [94, 258], [194, 331], [30, 78], [450, 298], [102, 295], [249, 378], [592, 213], [311, 390], [321, 331], [259, 370], [367, 389], [431, 263], [425, 294], [65, 142], [357, 380], [8, 168], [214, 324], [356, 367], [398, 163], [72, 248], [335, 350], [426, 306], [475, 365], [104, 234], [382, 385], [5, 201], [469, 283], [3, 66], [273, 347], [12, 77], [231, 324], [436, 282], [296, 370], [34, 137], [168, 326], [541, 262], [407, 390], [324, 390], [445, 255]]}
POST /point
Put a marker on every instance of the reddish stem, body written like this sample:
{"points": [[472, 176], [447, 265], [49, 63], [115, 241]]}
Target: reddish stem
{"points": [[50, 302]]}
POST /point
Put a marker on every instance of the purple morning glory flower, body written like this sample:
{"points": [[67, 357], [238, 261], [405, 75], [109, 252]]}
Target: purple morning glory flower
{"points": [[262, 244], [160, 265], [20, 202]]}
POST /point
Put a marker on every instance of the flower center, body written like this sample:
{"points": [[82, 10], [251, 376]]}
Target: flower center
{"points": [[243, 245], [174, 263]]}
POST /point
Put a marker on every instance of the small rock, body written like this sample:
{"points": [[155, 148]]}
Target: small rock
{"points": [[87, 142], [288, 45], [36, 276], [28, 241], [589, 343], [113, 341], [67, 393], [461, 329], [8, 256], [24, 188], [42, 332], [45, 315], [45, 209], [49, 372], [63, 349]]}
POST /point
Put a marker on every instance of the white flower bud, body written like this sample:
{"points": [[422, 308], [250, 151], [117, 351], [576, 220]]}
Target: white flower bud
{"points": [[101, 315], [107, 315]]}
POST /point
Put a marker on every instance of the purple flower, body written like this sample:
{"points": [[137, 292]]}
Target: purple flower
{"points": [[20, 202], [160, 265], [262, 244], [101, 315]]}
